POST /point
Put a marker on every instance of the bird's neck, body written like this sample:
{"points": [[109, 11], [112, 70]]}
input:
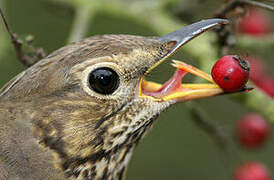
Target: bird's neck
{"points": [[111, 164]]}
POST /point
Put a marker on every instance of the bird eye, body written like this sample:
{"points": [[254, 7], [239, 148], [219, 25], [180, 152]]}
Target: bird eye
{"points": [[103, 80]]}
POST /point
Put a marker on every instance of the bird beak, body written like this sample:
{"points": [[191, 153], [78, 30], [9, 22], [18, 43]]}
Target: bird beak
{"points": [[174, 89]]}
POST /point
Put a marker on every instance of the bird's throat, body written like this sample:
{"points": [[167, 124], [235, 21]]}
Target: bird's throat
{"points": [[109, 164], [97, 152]]}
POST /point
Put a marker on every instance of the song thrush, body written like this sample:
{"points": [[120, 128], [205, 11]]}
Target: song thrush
{"points": [[80, 112]]}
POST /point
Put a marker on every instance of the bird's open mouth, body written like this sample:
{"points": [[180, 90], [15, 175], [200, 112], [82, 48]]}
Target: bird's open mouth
{"points": [[174, 89]]}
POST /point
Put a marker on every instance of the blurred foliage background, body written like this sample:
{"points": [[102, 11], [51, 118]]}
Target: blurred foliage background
{"points": [[176, 148]]}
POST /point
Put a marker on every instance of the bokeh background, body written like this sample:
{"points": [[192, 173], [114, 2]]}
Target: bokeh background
{"points": [[176, 148]]}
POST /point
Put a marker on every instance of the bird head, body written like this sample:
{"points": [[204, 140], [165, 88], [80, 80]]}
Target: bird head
{"points": [[89, 102]]}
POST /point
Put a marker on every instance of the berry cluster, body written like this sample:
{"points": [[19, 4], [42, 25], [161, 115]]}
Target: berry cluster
{"points": [[252, 131], [231, 73]]}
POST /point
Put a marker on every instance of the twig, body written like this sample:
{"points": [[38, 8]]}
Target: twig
{"points": [[6, 23], [258, 4], [222, 140], [26, 60], [236, 3], [14, 39]]}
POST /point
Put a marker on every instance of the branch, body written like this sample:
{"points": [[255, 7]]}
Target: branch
{"points": [[32, 56], [231, 5], [14, 39], [201, 119], [257, 4]]}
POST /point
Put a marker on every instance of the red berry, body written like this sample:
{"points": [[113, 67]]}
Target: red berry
{"points": [[231, 73], [255, 23], [252, 171], [252, 130]]}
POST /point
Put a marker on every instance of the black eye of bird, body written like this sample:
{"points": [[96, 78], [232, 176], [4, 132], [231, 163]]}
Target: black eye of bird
{"points": [[103, 80]]}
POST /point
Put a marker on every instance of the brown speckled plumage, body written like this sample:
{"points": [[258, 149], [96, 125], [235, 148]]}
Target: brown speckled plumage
{"points": [[54, 127]]}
